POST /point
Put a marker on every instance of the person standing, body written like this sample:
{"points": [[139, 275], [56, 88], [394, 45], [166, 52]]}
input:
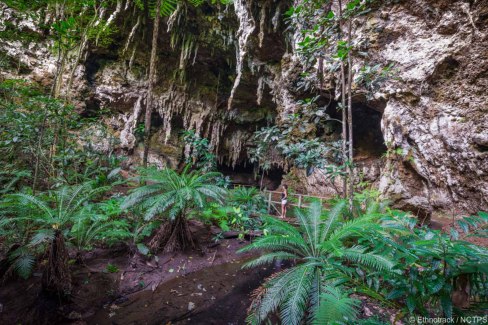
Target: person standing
{"points": [[284, 201]]}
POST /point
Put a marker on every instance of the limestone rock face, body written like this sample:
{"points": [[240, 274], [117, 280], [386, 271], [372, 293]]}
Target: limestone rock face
{"points": [[435, 107], [426, 146], [437, 110]]}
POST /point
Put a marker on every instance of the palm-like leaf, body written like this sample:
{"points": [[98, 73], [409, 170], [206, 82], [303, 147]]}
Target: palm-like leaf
{"points": [[336, 307], [321, 243], [170, 192], [22, 262], [59, 209]]}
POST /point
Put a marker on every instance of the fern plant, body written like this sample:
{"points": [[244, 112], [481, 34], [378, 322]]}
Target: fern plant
{"points": [[51, 218], [336, 307], [172, 196], [323, 245], [248, 199]]}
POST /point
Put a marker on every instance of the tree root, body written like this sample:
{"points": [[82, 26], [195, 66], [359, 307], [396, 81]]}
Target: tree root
{"points": [[173, 236], [56, 278]]}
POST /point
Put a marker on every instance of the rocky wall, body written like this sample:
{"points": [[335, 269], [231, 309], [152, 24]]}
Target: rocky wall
{"points": [[239, 71]]}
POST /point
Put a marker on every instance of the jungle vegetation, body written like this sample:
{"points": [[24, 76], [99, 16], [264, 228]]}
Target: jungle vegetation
{"points": [[60, 197]]}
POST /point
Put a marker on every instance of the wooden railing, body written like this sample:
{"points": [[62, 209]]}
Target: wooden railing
{"points": [[273, 199]]}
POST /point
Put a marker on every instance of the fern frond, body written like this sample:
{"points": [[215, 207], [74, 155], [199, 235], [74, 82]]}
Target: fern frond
{"points": [[22, 261], [42, 236], [269, 258], [376, 262], [295, 306], [281, 243], [336, 307], [30, 199], [333, 215]]}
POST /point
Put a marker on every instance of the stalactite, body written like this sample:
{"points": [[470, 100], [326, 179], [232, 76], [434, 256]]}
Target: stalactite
{"points": [[110, 19], [276, 18], [216, 135], [260, 90], [188, 47], [174, 18], [127, 138], [100, 16], [132, 57], [131, 34], [195, 55], [246, 28], [236, 145], [262, 24]]}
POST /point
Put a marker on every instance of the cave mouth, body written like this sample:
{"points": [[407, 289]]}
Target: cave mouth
{"points": [[368, 140], [245, 173]]}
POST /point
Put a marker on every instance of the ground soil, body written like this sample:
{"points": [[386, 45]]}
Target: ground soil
{"points": [[204, 286], [21, 301]]}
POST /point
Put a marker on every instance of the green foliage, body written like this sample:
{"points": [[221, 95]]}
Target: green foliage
{"points": [[432, 263], [244, 206], [36, 219], [371, 78], [295, 140], [39, 142], [22, 262], [168, 7], [327, 250], [10, 177], [112, 268], [323, 36], [248, 199], [172, 193], [131, 229], [24, 5], [200, 153], [336, 307], [264, 141], [380, 253], [221, 215], [99, 224]]}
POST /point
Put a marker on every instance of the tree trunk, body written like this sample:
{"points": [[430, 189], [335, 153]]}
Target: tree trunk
{"points": [[56, 279], [151, 82], [71, 75], [349, 120], [38, 156], [344, 111], [173, 236]]}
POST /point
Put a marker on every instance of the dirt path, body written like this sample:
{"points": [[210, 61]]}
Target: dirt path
{"points": [[21, 301], [214, 295]]}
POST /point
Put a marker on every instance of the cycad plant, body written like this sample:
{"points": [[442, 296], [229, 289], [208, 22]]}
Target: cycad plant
{"points": [[98, 222], [248, 199], [172, 196], [50, 218], [321, 249]]}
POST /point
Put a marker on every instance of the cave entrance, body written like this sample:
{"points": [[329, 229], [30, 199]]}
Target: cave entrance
{"points": [[246, 174], [368, 139]]}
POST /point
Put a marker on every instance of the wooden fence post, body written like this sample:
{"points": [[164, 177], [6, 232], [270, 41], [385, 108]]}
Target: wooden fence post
{"points": [[299, 200], [269, 202]]}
